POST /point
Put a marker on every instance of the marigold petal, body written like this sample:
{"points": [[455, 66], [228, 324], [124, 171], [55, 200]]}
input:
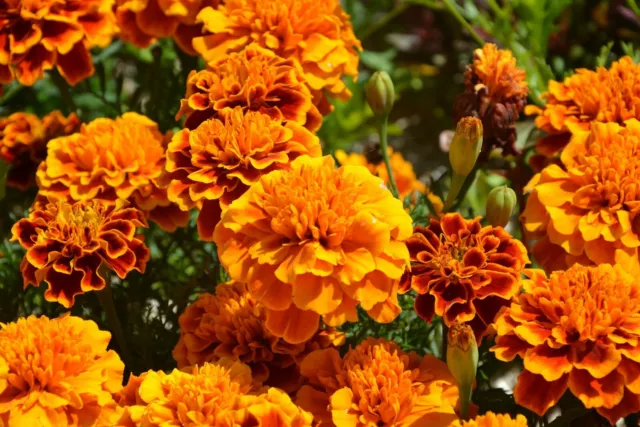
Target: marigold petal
{"points": [[604, 392], [294, 325], [527, 391]]}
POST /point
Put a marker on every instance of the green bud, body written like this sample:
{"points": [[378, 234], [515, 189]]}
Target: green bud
{"points": [[466, 145], [462, 360], [380, 93], [500, 204]]}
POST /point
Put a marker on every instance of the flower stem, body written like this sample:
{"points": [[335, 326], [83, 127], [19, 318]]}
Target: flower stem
{"points": [[63, 88], [457, 182], [456, 14], [385, 154], [106, 301]]}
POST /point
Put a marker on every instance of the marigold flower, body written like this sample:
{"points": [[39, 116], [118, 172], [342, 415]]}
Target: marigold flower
{"points": [[231, 324], [255, 79], [587, 212], [68, 243], [604, 95], [57, 372], [496, 92], [316, 34], [35, 36], [210, 395], [23, 142], [377, 383], [406, 181], [578, 329], [492, 420], [462, 271], [141, 22], [110, 160], [210, 167], [316, 241]]}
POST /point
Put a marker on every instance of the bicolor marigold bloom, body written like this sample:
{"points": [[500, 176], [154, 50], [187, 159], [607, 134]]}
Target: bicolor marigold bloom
{"points": [[576, 330], [36, 36], [57, 372], [255, 79], [23, 142], [587, 213], [463, 271], [141, 22], [68, 243], [217, 395], [316, 241], [492, 420], [604, 95], [316, 34], [496, 92], [110, 160], [210, 167], [377, 383], [231, 324]]}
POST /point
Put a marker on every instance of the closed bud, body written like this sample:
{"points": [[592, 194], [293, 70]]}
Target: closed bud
{"points": [[462, 360], [380, 93], [466, 145], [500, 204]]}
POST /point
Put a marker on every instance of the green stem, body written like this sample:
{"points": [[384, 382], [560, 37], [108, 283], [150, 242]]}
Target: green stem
{"points": [[465, 400], [468, 182], [457, 182], [388, 17], [63, 87], [385, 154], [456, 14], [445, 337], [106, 301], [634, 6]]}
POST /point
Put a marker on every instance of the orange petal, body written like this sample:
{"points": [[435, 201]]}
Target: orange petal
{"points": [[599, 361], [597, 392], [528, 392], [294, 325], [548, 362]]}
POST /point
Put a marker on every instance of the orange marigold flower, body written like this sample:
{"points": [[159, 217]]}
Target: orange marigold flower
{"points": [[407, 182], [492, 420], [35, 36], [255, 79], [210, 167], [378, 384], [231, 324], [316, 241], [23, 142], [57, 372], [68, 243], [316, 34], [141, 22], [110, 160], [578, 329], [588, 212], [604, 95], [496, 92], [217, 395], [462, 271]]}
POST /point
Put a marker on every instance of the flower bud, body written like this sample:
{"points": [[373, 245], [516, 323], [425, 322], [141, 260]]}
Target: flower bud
{"points": [[500, 204], [462, 360], [380, 93], [466, 145]]}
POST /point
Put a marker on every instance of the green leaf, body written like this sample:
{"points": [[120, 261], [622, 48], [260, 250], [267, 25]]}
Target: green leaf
{"points": [[379, 61], [603, 57]]}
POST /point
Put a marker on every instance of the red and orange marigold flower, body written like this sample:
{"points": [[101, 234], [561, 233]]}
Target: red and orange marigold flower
{"points": [[316, 34], [210, 167], [57, 372], [255, 79], [577, 330], [23, 142], [463, 271], [377, 383], [36, 36], [587, 212], [109, 160], [316, 241], [231, 324], [492, 420], [68, 243]]}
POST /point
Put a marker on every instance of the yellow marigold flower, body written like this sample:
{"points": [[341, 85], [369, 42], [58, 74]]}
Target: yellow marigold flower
{"points": [[23, 142], [587, 212], [378, 384], [462, 271], [492, 420], [210, 167], [255, 79], [496, 92], [110, 160], [316, 241], [403, 173], [68, 243], [36, 36], [57, 372], [217, 395], [231, 324], [316, 34], [578, 329], [141, 22]]}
